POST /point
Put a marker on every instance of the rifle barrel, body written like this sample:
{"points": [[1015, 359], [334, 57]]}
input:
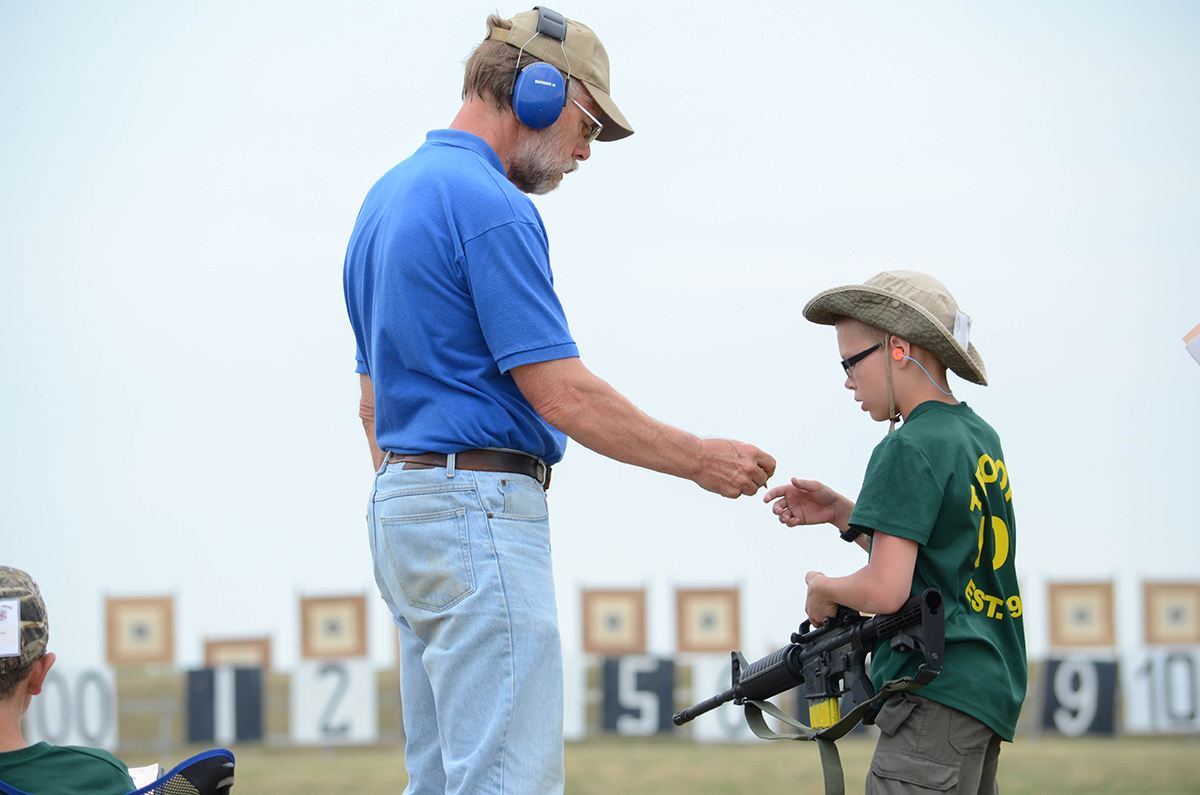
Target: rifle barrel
{"points": [[685, 715]]}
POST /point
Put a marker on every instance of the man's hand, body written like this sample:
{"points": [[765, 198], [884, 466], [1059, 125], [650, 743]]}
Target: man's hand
{"points": [[809, 502], [817, 604], [731, 468]]}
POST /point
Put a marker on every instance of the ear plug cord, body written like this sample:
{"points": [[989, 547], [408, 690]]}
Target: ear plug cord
{"points": [[898, 354]]}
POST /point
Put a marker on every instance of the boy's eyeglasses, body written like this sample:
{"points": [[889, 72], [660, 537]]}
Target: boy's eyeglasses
{"points": [[847, 364], [593, 133]]}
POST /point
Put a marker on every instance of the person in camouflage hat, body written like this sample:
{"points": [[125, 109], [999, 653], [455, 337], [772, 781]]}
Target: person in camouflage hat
{"points": [[42, 768], [34, 631]]}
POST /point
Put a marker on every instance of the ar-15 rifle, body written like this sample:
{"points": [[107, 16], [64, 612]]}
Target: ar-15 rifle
{"points": [[831, 660]]}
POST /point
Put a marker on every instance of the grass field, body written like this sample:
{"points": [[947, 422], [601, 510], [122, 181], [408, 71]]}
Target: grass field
{"points": [[1141, 766]]}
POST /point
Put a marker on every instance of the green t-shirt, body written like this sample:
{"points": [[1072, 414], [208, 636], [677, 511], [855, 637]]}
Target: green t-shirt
{"points": [[940, 480], [44, 769]]}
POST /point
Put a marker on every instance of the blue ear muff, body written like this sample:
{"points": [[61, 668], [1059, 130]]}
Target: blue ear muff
{"points": [[539, 95]]}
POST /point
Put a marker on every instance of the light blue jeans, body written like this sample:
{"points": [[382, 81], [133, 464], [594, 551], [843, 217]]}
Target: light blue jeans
{"points": [[462, 559]]}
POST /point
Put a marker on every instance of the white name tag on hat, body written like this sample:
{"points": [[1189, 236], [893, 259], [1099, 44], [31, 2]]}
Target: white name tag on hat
{"points": [[962, 329], [10, 627]]}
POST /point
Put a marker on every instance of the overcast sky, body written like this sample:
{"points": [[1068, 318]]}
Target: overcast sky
{"points": [[178, 411]]}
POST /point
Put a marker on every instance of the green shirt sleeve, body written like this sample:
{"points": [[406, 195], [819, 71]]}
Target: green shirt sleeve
{"points": [[901, 494]]}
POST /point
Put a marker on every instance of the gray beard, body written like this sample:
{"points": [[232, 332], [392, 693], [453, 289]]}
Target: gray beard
{"points": [[533, 167]]}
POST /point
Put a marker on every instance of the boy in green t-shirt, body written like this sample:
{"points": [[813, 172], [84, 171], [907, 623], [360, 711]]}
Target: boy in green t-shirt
{"points": [[934, 511], [24, 663]]}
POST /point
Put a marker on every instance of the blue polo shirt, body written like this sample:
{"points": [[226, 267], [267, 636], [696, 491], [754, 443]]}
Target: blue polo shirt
{"points": [[448, 287]]}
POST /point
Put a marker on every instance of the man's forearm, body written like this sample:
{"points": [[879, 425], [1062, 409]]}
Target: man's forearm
{"points": [[603, 420], [598, 417], [586, 408]]}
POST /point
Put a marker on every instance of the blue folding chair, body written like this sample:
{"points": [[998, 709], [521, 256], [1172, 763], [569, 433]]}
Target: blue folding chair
{"points": [[208, 773]]}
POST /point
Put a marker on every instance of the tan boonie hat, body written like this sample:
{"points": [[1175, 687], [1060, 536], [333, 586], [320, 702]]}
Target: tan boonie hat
{"points": [[16, 585], [911, 305], [587, 59]]}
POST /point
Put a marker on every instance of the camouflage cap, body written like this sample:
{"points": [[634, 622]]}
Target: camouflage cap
{"points": [[16, 585]]}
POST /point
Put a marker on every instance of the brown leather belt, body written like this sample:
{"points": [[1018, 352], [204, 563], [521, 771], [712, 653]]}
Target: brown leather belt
{"points": [[480, 461]]}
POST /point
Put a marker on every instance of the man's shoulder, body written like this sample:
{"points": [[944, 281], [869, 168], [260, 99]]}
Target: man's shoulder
{"points": [[457, 156], [458, 173]]}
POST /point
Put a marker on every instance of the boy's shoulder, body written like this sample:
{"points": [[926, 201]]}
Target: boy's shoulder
{"points": [[65, 768], [95, 753], [40, 751], [943, 419], [937, 432]]}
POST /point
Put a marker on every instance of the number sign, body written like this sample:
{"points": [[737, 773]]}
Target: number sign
{"points": [[1080, 696], [334, 703], [726, 723], [638, 695], [75, 707], [1162, 691]]}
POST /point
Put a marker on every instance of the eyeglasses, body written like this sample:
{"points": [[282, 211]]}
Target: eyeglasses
{"points": [[847, 364], [594, 132]]}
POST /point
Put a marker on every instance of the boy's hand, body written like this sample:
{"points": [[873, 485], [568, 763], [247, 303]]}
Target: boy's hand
{"points": [[818, 606], [809, 502]]}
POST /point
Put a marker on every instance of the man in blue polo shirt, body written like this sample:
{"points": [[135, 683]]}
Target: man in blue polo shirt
{"points": [[471, 384]]}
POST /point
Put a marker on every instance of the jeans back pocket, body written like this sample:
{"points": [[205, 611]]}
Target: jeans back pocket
{"points": [[428, 557]]}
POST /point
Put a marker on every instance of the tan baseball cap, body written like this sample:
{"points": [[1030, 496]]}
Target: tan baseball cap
{"points": [[17, 586], [912, 305], [580, 54]]}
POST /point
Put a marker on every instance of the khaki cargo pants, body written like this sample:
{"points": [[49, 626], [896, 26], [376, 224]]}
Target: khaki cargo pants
{"points": [[925, 747]]}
